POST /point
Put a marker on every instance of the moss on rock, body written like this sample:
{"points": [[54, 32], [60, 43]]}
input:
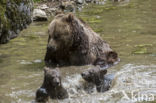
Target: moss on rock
{"points": [[15, 15]]}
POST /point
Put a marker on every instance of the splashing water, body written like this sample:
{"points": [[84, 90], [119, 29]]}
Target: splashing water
{"points": [[129, 29], [131, 84]]}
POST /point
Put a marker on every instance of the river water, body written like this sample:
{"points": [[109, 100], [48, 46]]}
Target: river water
{"points": [[130, 29]]}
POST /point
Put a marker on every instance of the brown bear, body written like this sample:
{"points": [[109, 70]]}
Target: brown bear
{"points": [[72, 42], [98, 77], [51, 86]]}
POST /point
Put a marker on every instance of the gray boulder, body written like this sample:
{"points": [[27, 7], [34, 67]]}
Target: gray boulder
{"points": [[39, 15], [43, 7], [80, 1], [68, 6], [89, 1]]}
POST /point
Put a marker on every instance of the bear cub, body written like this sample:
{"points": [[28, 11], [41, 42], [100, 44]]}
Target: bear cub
{"points": [[52, 86], [98, 77]]}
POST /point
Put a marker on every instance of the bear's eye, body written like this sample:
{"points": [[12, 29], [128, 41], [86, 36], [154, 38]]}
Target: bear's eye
{"points": [[56, 37], [51, 77]]}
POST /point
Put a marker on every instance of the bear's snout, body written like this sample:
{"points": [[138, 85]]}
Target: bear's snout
{"points": [[51, 48], [57, 82]]}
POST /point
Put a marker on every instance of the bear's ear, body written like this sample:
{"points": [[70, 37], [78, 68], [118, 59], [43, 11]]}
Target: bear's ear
{"points": [[112, 57], [70, 17], [46, 69], [103, 72]]}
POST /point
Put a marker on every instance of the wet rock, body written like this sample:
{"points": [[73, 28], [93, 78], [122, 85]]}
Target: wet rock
{"points": [[15, 16], [100, 3], [67, 6], [39, 15], [53, 6], [50, 11], [43, 7], [121, 0], [80, 1], [37, 61], [25, 62], [89, 1]]}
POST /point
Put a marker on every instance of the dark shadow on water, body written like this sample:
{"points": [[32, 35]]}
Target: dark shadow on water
{"points": [[1, 60], [5, 76]]}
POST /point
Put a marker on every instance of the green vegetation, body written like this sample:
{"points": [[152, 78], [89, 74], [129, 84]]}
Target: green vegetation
{"points": [[11, 19], [142, 49], [37, 0], [2, 13], [91, 19]]}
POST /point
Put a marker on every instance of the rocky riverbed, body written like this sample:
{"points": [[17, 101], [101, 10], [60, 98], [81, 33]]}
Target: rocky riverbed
{"points": [[17, 15]]}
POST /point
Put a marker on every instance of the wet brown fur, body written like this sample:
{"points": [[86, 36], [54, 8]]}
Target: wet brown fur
{"points": [[73, 42], [55, 91]]}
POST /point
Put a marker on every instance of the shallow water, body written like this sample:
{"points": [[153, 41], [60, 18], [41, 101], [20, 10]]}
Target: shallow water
{"points": [[128, 27]]}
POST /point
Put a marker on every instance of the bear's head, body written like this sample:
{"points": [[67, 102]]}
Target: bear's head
{"points": [[94, 75], [66, 32], [52, 77], [112, 57]]}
